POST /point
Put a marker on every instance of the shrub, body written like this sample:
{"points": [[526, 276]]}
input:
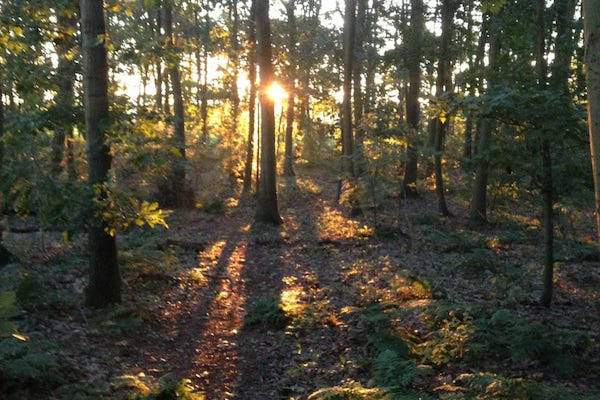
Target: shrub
{"points": [[267, 311]]}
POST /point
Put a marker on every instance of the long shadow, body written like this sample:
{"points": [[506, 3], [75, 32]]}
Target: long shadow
{"points": [[196, 334], [261, 346], [307, 357]]}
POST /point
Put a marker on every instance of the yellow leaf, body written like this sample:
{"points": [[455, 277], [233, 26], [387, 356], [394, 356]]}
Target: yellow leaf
{"points": [[128, 12], [20, 337]]}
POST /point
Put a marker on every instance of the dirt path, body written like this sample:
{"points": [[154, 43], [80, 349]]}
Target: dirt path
{"points": [[202, 333], [323, 270]]}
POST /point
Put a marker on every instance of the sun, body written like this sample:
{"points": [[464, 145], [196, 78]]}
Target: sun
{"points": [[276, 92]]}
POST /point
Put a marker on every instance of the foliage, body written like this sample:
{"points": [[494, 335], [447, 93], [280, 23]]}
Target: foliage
{"points": [[28, 363], [267, 311], [168, 389]]}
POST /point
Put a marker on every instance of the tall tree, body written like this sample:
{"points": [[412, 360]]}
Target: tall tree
{"points": [[105, 283], [266, 208], [591, 21], [359, 56], [172, 61], [66, 18], [247, 186], [547, 191], [349, 41], [478, 212], [443, 87], [563, 52], [413, 62], [204, 103], [288, 164]]}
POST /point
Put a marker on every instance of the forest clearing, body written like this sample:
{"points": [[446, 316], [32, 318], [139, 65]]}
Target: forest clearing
{"points": [[297, 199]]}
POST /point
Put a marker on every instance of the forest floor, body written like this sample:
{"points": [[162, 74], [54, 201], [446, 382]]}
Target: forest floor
{"points": [[323, 307]]}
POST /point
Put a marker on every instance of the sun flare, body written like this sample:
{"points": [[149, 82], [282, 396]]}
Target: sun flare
{"points": [[277, 93]]}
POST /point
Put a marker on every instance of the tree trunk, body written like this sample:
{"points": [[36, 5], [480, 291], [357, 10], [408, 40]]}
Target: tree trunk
{"points": [[417, 22], [105, 282], [235, 97], [478, 213], [288, 163], [266, 208], [158, 62], [1, 124], [347, 136], [178, 108], [359, 56], [204, 105], [247, 188], [65, 79], [591, 18], [443, 86], [547, 189]]}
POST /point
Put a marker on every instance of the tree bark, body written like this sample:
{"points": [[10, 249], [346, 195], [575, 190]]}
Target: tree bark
{"points": [[449, 7], [178, 108], [288, 163], [478, 213], [415, 55], [204, 104], [104, 285], [247, 187], [359, 56], [547, 189], [591, 18], [347, 135], [65, 79], [266, 208]]}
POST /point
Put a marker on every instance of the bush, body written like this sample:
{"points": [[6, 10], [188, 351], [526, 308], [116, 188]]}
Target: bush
{"points": [[267, 311]]}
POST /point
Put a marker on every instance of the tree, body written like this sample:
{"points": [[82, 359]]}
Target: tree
{"points": [[591, 20], [478, 212], [172, 61], [413, 62], [288, 163], [4, 253], [65, 43], [443, 87], [559, 82], [247, 185], [541, 72], [347, 134], [266, 208], [359, 56], [105, 283]]}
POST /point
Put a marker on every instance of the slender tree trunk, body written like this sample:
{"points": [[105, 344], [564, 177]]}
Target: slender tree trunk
{"points": [[204, 106], [468, 144], [65, 79], [591, 18], [235, 97], [288, 163], [1, 125], [105, 282], [478, 213], [178, 108], [5, 256], [449, 7], [247, 188], [359, 56], [266, 208], [347, 136], [547, 189], [414, 58]]}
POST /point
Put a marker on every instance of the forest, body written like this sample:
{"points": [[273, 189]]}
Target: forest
{"points": [[300, 199]]}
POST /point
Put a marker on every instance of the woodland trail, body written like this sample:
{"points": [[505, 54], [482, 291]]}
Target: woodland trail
{"points": [[202, 334], [249, 311], [279, 312]]}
